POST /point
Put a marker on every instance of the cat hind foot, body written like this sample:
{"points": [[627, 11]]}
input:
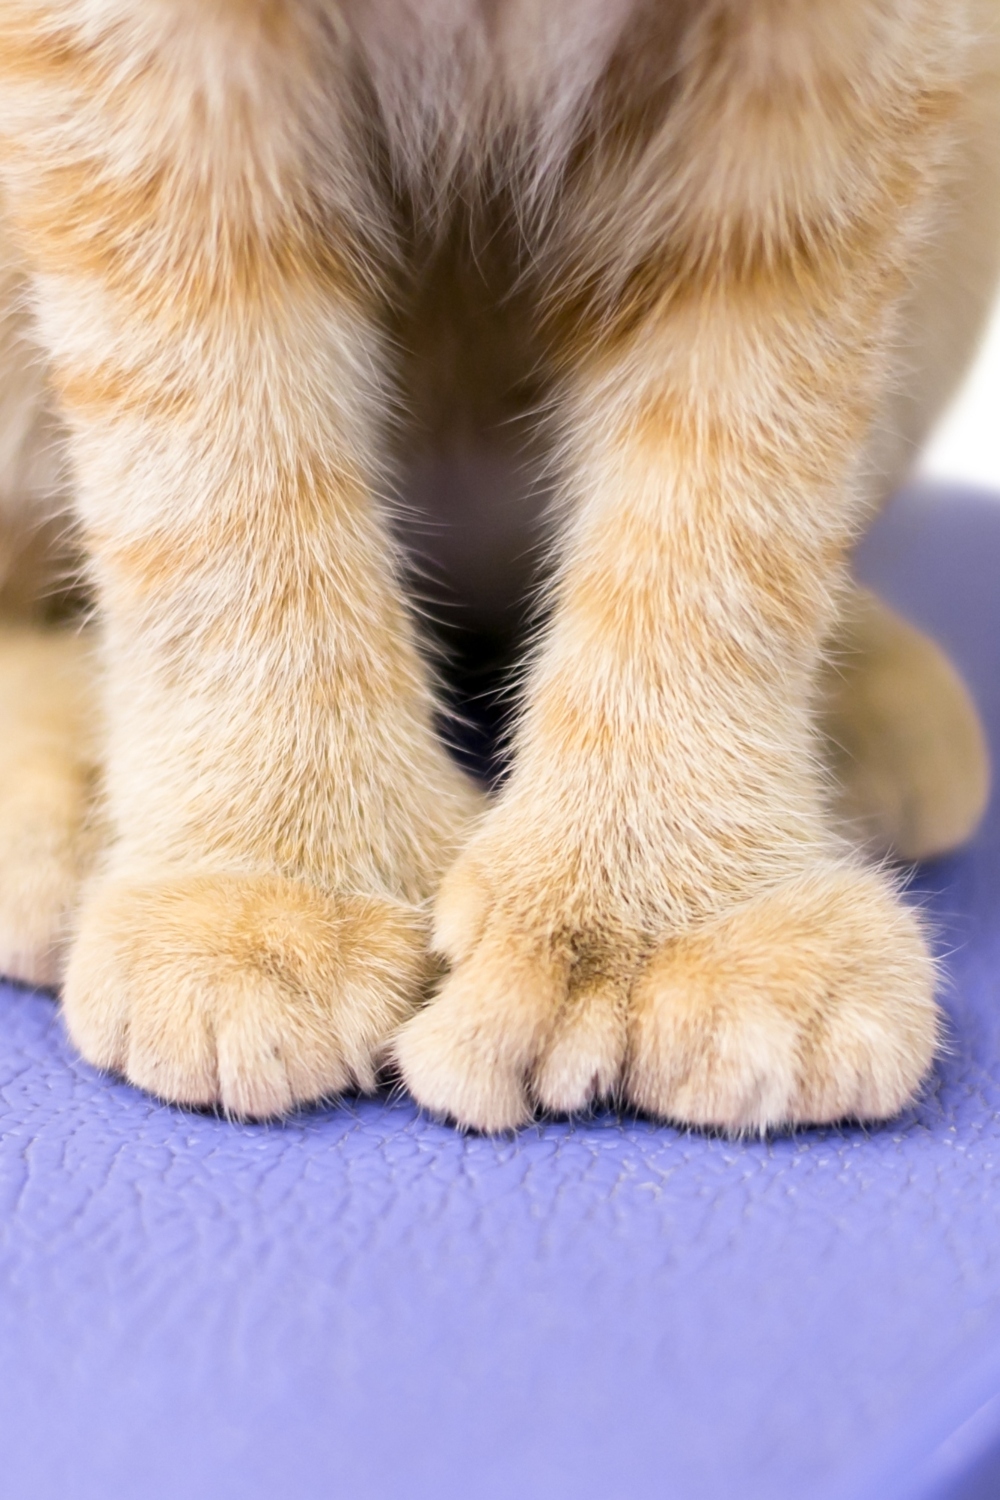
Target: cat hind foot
{"points": [[48, 775], [907, 750]]}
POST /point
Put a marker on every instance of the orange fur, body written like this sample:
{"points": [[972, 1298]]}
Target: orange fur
{"points": [[721, 211]]}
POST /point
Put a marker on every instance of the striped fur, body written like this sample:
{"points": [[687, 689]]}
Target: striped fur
{"points": [[726, 215]]}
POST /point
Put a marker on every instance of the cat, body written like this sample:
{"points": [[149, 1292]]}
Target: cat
{"points": [[734, 255]]}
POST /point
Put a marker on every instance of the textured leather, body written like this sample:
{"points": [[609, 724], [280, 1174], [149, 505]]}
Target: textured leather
{"points": [[364, 1302]]}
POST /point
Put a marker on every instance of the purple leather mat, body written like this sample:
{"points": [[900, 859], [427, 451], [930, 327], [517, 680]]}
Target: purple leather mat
{"points": [[363, 1302]]}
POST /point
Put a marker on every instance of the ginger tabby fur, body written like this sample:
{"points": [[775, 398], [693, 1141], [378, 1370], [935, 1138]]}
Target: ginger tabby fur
{"points": [[757, 238]]}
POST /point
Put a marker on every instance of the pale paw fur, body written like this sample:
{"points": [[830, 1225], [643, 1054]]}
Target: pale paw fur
{"points": [[811, 1003], [48, 774], [252, 994]]}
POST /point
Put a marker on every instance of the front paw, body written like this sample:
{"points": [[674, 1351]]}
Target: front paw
{"points": [[809, 1003], [249, 993]]}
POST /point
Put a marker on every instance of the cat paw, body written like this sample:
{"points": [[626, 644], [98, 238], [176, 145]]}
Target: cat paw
{"points": [[253, 994], [811, 1003]]}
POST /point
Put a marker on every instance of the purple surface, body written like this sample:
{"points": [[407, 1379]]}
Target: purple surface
{"points": [[363, 1302]]}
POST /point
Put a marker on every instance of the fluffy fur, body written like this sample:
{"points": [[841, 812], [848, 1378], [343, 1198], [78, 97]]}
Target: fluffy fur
{"points": [[754, 238]]}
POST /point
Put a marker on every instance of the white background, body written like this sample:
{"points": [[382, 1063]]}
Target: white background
{"points": [[966, 445]]}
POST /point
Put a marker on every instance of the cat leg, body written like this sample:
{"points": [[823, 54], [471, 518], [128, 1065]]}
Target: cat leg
{"points": [[658, 907], [903, 739], [279, 805]]}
